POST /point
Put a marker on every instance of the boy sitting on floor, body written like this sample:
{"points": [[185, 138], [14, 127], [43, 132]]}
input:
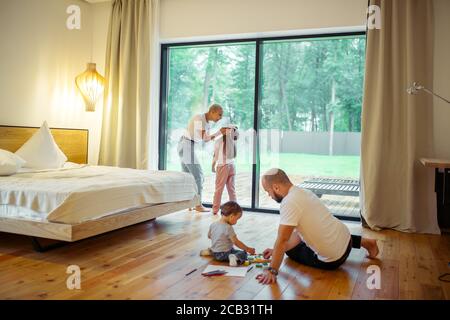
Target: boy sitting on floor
{"points": [[223, 237]]}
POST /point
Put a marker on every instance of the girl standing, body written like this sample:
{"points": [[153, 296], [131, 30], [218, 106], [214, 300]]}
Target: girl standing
{"points": [[223, 164]]}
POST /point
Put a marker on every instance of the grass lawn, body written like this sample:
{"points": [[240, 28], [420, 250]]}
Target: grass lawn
{"points": [[292, 163], [313, 165]]}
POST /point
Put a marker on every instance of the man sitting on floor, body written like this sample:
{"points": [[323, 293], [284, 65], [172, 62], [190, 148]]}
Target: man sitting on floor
{"points": [[308, 233]]}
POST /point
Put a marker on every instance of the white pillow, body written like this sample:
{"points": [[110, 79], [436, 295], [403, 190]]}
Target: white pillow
{"points": [[41, 151], [9, 163]]}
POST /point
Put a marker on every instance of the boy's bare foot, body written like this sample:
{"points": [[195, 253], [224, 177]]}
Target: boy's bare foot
{"points": [[371, 246], [201, 209], [206, 252]]}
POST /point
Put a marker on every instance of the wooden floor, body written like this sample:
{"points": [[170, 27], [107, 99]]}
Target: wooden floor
{"points": [[150, 260]]}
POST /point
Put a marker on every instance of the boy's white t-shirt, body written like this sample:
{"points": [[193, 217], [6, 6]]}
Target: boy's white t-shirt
{"points": [[320, 230], [195, 125], [221, 235]]}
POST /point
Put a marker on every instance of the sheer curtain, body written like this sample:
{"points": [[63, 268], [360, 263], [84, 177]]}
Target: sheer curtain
{"points": [[397, 191], [129, 56]]}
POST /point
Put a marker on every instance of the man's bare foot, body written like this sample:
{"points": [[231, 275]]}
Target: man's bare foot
{"points": [[201, 209], [371, 246]]}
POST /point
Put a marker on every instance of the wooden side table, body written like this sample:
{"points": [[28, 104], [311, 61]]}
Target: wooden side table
{"points": [[442, 189]]}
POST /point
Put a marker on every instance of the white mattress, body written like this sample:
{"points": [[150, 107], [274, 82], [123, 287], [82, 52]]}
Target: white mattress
{"points": [[7, 211], [77, 193]]}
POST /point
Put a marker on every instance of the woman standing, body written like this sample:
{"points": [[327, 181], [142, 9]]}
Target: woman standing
{"points": [[197, 132]]}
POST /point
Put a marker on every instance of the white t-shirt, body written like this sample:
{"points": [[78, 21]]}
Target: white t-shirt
{"points": [[320, 230], [195, 126], [219, 155], [221, 235]]}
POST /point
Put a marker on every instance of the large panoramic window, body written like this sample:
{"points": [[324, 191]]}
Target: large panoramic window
{"points": [[301, 98]]}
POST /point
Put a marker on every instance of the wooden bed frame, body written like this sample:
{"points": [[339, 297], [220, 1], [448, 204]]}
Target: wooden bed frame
{"points": [[74, 143]]}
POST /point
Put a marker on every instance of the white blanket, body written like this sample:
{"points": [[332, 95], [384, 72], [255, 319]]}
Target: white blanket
{"points": [[81, 193]]}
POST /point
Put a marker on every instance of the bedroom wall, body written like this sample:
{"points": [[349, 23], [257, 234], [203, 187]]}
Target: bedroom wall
{"points": [[40, 58], [196, 18], [442, 78]]}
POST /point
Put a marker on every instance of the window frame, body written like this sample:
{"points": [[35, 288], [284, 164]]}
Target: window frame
{"points": [[163, 117]]}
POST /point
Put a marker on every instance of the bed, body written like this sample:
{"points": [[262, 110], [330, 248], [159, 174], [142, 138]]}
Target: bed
{"points": [[79, 201]]}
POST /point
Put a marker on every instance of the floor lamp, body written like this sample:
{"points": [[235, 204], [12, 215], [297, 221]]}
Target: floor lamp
{"points": [[439, 186]]}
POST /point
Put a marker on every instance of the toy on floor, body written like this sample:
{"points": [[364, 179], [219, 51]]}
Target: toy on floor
{"points": [[258, 258]]}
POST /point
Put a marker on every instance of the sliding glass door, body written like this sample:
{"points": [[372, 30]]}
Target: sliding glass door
{"points": [[311, 110], [296, 101], [198, 76]]}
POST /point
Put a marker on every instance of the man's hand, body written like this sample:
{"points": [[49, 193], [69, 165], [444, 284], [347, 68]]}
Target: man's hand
{"points": [[251, 250], [267, 253], [266, 277]]}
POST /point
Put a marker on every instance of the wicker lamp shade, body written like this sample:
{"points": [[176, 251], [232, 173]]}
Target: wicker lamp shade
{"points": [[91, 85]]}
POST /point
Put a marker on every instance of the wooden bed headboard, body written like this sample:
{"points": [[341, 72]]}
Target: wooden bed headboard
{"points": [[73, 142]]}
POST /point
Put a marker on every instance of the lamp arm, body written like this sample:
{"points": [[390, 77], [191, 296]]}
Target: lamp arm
{"points": [[434, 94]]}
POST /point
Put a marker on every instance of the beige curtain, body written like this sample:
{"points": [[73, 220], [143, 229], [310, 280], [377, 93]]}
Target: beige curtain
{"points": [[397, 191], [125, 129]]}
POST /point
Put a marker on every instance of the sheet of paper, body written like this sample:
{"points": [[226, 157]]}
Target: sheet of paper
{"points": [[231, 271]]}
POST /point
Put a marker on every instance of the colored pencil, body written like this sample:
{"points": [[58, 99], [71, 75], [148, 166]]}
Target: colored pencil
{"points": [[191, 272]]}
